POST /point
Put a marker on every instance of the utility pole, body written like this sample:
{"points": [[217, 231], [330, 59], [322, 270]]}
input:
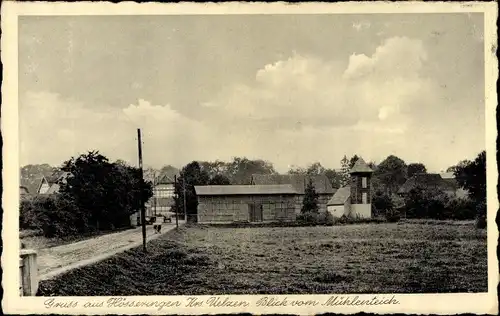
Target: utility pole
{"points": [[184, 196], [143, 208], [176, 211]]}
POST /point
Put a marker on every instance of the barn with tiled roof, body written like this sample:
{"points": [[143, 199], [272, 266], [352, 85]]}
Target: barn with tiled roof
{"points": [[220, 204]]}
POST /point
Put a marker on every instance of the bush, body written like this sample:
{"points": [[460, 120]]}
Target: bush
{"points": [[481, 222], [392, 215], [313, 218], [27, 215], [382, 202], [423, 203], [325, 218], [461, 209], [54, 215], [308, 218]]}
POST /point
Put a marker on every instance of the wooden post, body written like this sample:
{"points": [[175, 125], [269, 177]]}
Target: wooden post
{"points": [[143, 208], [29, 272]]}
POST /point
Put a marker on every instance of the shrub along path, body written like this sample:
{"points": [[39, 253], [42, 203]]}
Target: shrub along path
{"points": [[61, 259]]}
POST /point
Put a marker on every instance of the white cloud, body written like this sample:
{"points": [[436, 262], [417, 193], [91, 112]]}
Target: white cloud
{"points": [[320, 92]]}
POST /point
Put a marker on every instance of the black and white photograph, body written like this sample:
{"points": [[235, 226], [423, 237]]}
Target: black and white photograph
{"points": [[221, 156]]}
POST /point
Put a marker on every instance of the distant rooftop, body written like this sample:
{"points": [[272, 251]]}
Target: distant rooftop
{"points": [[299, 182], [429, 181]]}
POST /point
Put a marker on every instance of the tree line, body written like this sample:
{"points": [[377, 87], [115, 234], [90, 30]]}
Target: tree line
{"points": [[387, 178], [101, 195]]}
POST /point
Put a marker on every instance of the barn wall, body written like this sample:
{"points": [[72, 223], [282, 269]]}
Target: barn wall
{"points": [[228, 209], [323, 201]]}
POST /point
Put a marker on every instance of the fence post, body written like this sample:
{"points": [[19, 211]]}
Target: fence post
{"points": [[29, 272]]}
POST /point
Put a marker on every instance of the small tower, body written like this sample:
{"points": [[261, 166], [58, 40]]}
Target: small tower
{"points": [[361, 197]]}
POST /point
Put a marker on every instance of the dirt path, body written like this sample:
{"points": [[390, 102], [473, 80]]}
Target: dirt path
{"points": [[57, 260]]}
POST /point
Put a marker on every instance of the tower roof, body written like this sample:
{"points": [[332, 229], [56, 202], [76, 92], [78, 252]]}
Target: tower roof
{"points": [[360, 167]]}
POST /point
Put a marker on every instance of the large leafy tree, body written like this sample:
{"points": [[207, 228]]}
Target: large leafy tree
{"points": [[310, 201], [219, 179], [240, 170], [391, 174], [214, 168], [34, 171], [315, 169], [460, 165], [105, 193], [334, 177], [416, 168], [190, 176], [471, 175], [297, 170]]}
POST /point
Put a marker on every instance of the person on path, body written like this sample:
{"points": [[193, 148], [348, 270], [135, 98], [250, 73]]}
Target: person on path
{"points": [[157, 225]]}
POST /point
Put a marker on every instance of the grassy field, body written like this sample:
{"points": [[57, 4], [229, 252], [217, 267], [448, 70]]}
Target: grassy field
{"points": [[370, 258]]}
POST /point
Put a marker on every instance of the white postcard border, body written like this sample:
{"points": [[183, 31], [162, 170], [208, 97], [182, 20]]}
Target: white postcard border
{"points": [[409, 303]]}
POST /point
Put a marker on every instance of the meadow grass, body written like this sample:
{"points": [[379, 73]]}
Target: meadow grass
{"points": [[365, 258]]}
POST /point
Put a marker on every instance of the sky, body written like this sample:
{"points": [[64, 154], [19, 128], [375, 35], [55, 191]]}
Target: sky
{"points": [[290, 89]]}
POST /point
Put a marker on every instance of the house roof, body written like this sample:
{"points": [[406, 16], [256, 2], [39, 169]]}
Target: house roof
{"points": [[341, 196], [164, 179], [54, 188], [32, 184], [447, 175], [57, 176], [360, 166], [245, 189], [299, 182], [450, 184], [428, 180]]}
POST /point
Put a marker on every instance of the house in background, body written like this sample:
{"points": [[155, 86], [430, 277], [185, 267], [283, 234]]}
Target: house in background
{"points": [[222, 204], [55, 181], [432, 181], [40, 184], [321, 184], [354, 200], [162, 200], [33, 186]]}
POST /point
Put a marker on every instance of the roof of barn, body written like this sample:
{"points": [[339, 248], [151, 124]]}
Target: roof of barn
{"points": [[245, 189]]}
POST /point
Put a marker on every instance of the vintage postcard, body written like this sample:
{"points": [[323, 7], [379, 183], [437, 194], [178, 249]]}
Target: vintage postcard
{"points": [[249, 158]]}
